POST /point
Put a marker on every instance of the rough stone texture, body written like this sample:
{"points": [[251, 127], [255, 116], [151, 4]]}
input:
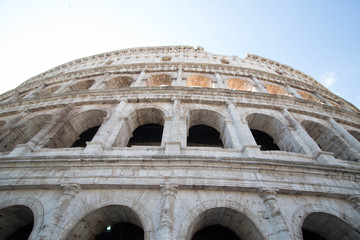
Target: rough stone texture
{"points": [[172, 191]]}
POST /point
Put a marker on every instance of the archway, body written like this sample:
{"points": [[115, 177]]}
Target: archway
{"points": [[203, 136], [48, 90], [205, 122], [308, 96], [221, 222], [82, 123], [24, 132], [355, 134], [198, 81], [147, 135], [159, 80], [328, 141], [268, 128], [321, 226], [240, 84], [16, 222], [273, 89], [119, 82], [117, 221], [82, 85]]}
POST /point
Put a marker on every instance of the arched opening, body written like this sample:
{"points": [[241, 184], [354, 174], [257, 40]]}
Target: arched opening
{"points": [[83, 85], [328, 141], [272, 134], [147, 135], [141, 120], [86, 123], [240, 84], [198, 81], [203, 136], [215, 232], [48, 90], [23, 133], [273, 89], [323, 226], [86, 136], [159, 80], [210, 124], [16, 222], [355, 134], [308, 96], [110, 222], [223, 223], [265, 141], [119, 82]]}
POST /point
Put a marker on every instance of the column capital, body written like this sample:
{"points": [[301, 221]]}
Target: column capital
{"points": [[354, 200], [268, 193], [70, 189], [169, 189]]}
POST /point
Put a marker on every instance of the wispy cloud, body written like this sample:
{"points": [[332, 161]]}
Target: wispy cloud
{"points": [[328, 79]]}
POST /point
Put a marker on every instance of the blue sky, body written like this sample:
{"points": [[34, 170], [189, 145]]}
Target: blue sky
{"points": [[319, 38]]}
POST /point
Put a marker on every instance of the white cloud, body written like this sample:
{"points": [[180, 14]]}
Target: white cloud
{"points": [[328, 79]]}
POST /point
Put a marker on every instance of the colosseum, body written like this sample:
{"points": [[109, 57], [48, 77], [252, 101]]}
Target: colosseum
{"points": [[178, 143]]}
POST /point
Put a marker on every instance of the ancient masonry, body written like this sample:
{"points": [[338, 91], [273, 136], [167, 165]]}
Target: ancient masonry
{"points": [[177, 143]]}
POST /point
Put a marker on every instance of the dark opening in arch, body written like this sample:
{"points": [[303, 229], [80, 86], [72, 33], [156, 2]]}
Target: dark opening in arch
{"points": [[121, 231], [22, 233], [86, 136], [147, 135], [308, 235], [265, 141], [204, 136], [215, 232]]}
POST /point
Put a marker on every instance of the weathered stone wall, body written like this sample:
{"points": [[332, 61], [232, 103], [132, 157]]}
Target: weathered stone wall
{"points": [[172, 191]]}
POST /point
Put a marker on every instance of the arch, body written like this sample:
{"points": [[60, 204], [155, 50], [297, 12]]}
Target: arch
{"points": [[355, 134], [135, 214], [308, 96], [328, 141], [212, 119], [119, 82], [159, 80], [276, 130], [138, 118], [30, 209], [274, 89], [226, 213], [198, 81], [203, 136], [240, 84], [48, 90], [319, 214], [78, 124], [82, 85], [24, 132]]}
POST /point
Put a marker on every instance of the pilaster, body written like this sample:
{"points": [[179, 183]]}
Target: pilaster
{"points": [[167, 217]]}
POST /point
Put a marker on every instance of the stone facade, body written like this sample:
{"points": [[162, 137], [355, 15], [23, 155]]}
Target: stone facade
{"points": [[53, 190]]}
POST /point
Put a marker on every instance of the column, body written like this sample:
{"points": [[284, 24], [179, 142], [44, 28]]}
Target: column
{"points": [[220, 83], [108, 131], [274, 215], [98, 83], [292, 91], [52, 225], [312, 147], [322, 99], [354, 200], [39, 139], [137, 82], [345, 134], [167, 217], [179, 77], [244, 135], [259, 85], [173, 143]]}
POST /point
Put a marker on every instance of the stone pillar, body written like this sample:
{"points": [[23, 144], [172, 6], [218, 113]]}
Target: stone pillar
{"points": [[244, 135], [322, 99], [273, 214], [108, 131], [345, 134], [179, 77], [137, 82], [173, 143], [40, 137], [312, 147], [98, 83], [64, 87], [167, 218], [52, 226], [292, 91], [219, 81], [259, 85]]}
